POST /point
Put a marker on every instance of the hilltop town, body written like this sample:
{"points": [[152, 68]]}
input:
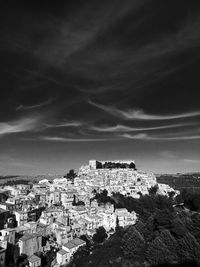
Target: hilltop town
{"points": [[51, 217]]}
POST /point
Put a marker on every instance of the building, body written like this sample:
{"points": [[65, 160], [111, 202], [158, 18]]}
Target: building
{"points": [[92, 164], [8, 235], [32, 226], [21, 217], [4, 214], [30, 243], [34, 261], [61, 257], [125, 218], [65, 254], [2, 256], [67, 198]]}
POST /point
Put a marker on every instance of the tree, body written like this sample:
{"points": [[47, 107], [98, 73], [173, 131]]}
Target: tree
{"points": [[105, 193], [71, 175], [153, 190], [22, 261], [12, 222], [117, 228], [171, 195], [157, 252], [80, 203], [103, 197], [193, 225], [188, 247], [132, 165], [100, 235], [171, 245], [80, 254], [94, 191], [74, 200], [178, 228], [163, 219], [87, 240], [140, 227], [133, 244], [99, 165]]}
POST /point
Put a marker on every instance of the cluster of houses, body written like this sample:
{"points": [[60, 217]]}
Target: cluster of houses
{"points": [[63, 210]]}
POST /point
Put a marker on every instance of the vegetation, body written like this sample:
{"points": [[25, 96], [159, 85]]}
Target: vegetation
{"points": [[166, 234], [78, 203], [70, 175], [100, 235], [153, 190], [103, 198], [190, 200], [15, 182], [113, 165], [190, 182]]}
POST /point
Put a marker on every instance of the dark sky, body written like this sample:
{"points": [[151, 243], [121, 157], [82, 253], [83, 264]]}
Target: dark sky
{"points": [[100, 80]]}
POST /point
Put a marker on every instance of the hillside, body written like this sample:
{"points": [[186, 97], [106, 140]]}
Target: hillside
{"points": [[163, 234]]}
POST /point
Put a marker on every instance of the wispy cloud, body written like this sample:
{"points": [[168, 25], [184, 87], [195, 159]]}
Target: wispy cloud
{"points": [[168, 155], [65, 139], [123, 128], [42, 104], [192, 160], [146, 137], [136, 114], [22, 125], [65, 124]]}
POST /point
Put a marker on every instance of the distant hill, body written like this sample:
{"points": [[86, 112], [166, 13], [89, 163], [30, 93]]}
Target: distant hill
{"points": [[31, 178], [189, 181]]}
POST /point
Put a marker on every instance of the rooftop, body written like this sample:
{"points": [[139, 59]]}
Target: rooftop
{"points": [[33, 258], [78, 241], [3, 211], [9, 229], [69, 245], [62, 252], [74, 243], [28, 236], [21, 228]]}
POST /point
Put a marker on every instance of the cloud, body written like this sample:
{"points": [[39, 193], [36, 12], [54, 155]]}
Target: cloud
{"points": [[22, 125], [141, 136], [192, 160], [65, 124], [136, 114], [168, 155], [146, 137], [42, 104], [122, 128], [63, 139]]}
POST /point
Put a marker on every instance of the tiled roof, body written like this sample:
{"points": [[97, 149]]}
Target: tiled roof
{"points": [[33, 258], [28, 236], [69, 245], [74, 243], [62, 252], [25, 237], [78, 241]]}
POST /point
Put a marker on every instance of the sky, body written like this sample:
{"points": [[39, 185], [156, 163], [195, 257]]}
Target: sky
{"points": [[101, 80]]}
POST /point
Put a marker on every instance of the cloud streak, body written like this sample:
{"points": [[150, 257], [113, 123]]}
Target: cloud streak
{"points": [[123, 128], [146, 137], [18, 126], [65, 124], [136, 114], [42, 104], [65, 139]]}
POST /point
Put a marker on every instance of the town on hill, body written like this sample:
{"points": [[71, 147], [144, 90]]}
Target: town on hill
{"points": [[48, 222]]}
